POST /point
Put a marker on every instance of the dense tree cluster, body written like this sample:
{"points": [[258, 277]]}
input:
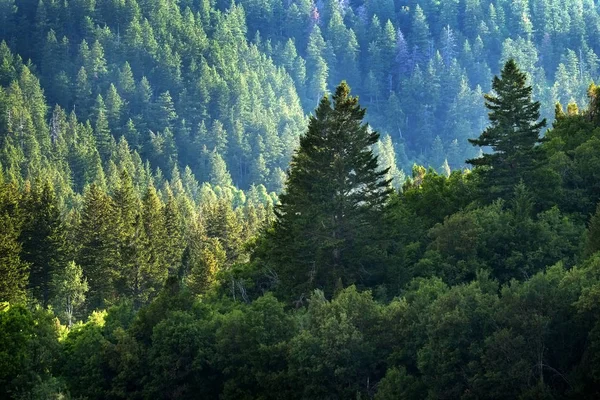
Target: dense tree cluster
{"points": [[214, 85], [456, 290], [152, 246]]}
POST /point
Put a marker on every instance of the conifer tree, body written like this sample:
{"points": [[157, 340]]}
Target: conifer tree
{"points": [[98, 253], [221, 222], [154, 224], [174, 239], [126, 81], [165, 111], [130, 237], [102, 130], [44, 240], [219, 175], [592, 240], [325, 224], [513, 134], [13, 270], [114, 105]]}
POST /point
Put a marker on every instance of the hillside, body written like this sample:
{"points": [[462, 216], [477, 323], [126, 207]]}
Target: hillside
{"points": [[240, 79], [299, 200]]}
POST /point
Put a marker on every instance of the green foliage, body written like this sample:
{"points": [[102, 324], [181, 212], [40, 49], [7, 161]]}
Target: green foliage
{"points": [[44, 240], [325, 226], [14, 271], [513, 134], [29, 348], [70, 288], [153, 198]]}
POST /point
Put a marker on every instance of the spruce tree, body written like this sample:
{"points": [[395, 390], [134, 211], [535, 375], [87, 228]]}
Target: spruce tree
{"points": [[44, 240], [513, 134], [174, 239], [98, 251], [592, 238], [13, 270], [325, 228]]}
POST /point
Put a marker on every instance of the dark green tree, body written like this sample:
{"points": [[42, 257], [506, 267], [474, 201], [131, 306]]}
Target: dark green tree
{"points": [[13, 270], [325, 225], [44, 240], [98, 252], [513, 134]]}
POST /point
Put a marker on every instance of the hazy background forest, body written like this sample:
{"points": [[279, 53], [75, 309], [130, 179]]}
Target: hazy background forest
{"points": [[234, 83], [178, 221]]}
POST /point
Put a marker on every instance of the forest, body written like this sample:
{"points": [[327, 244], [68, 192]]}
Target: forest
{"points": [[299, 199]]}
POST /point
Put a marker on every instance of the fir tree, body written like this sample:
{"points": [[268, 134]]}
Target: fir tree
{"points": [[513, 134], [325, 224], [104, 139], [592, 239], [98, 254], [174, 238], [13, 270], [44, 240]]}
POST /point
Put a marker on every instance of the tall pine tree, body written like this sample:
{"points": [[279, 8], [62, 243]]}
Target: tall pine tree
{"points": [[513, 134], [325, 228], [44, 240]]}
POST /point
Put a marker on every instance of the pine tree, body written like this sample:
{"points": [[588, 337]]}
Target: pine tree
{"points": [[204, 258], [316, 67], [420, 35], [44, 240], [130, 237], [222, 223], [114, 106], [513, 134], [14, 271], [165, 111], [98, 252], [126, 82], [219, 175], [592, 239], [174, 238], [154, 225], [325, 229], [104, 139]]}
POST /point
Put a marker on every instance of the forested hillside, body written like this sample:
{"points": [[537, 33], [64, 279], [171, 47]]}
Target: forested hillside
{"points": [[195, 203], [196, 83]]}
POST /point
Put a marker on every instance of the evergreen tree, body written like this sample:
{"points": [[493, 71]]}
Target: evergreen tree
{"points": [[165, 111], [592, 240], [131, 238], [104, 139], [126, 82], [513, 134], [98, 252], [83, 93], [174, 238], [218, 175], [325, 228], [44, 240], [114, 108], [13, 270]]}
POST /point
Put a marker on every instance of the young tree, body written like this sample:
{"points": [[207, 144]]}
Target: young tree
{"points": [[70, 288], [513, 134], [324, 231]]}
